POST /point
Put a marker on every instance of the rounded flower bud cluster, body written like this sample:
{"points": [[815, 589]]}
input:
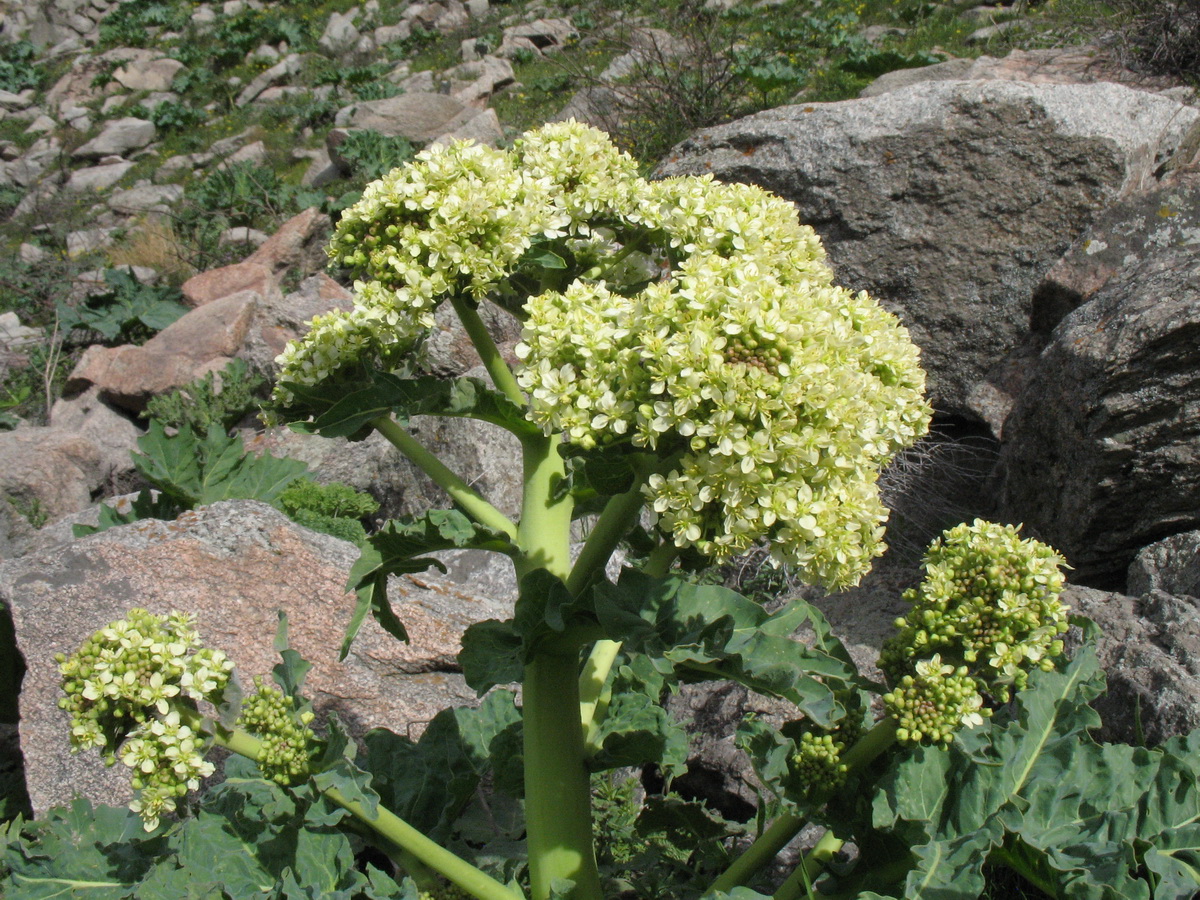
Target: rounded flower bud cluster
{"points": [[122, 689], [287, 741], [986, 614], [990, 601], [694, 320], [817, 763], [931, 705]]}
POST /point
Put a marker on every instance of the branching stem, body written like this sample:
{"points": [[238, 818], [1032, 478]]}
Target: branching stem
{"points": [[383, 822], [464, 496], [780, 833], [489, 353]]}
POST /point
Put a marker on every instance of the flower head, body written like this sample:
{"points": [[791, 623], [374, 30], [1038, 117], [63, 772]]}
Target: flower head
{"points": [[121, 688]]}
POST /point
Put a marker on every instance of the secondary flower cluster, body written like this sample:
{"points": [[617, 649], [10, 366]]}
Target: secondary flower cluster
{"points": [[690, 318], [120, 689], [817, 763], [986, 614], [287, 741]]}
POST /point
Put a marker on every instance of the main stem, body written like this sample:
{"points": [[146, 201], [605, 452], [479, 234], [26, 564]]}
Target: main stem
{"points": [[558, 812]]}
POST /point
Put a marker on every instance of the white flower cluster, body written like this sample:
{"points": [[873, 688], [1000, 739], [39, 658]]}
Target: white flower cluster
{"points": [[693, 319], [779, 394], [120, 689], [989, 600]]}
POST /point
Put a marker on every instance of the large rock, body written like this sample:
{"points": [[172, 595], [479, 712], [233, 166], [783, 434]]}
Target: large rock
{"points": [[414, 117], [1121, 237], [49, 472], [234, 565], [949, 201], [117, 138], [1171, 565], [298, 247], [201, 341], [1150, 651], [1102, 450], [149, 75], [1058, 65]]}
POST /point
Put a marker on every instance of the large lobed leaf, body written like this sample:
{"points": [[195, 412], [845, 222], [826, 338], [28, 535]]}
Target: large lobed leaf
{"points": [[402, 546], [1032, 790], [705, 632], [338, 414], [195, 471]]}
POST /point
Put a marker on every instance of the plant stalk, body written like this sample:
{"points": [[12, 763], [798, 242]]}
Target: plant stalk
{"points": [[489, 353], [463, 495], [383, 822], [558, 816], [780, 833], [799, 883], [594, 693]]}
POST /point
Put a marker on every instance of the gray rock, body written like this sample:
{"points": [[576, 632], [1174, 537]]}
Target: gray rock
{"points": [[1102, 451], [1171, 565], [483, 128], [146, 198], [541, 36], [1121, 237], [98, 178], [118, 137], [234, 564], [340, 36], [416, 117], [89, 240], [949, 201], [112, 433], [37, 160], [14, 334], [277, 74], [49, 471], [149, 75], [1150, 651]]}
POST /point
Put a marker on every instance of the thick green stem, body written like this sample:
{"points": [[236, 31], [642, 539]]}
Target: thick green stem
{"points": [[786, 827], [799, 883], [545, 532], [489, 353], [558, 816], [383, 822], [594, 693], [463, 495], [658, 564]]}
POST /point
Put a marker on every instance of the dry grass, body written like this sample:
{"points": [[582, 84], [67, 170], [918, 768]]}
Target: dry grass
{"points": [[155, 244]]}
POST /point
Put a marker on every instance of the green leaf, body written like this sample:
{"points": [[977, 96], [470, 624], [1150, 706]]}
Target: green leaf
{"points": [[428, 783], [196, 472], [398, 548], [710, 632], [492, 653], [289, 673], [96, 853], [635, 731], [341, 415]]}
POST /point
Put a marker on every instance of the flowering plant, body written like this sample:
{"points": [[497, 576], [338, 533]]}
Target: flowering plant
{"points": [[690, 377]]}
